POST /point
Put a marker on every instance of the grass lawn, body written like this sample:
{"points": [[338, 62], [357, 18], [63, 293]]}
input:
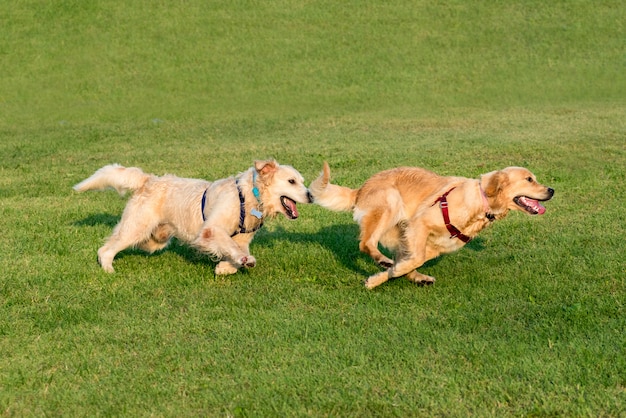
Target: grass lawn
{"points": [[527, 320]]}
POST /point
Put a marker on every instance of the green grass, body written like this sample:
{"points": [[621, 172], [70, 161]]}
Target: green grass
{"points": [[527, 320]]}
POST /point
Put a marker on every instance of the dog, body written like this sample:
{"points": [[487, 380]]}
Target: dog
{"points": [[419, 215], [218, 218]]}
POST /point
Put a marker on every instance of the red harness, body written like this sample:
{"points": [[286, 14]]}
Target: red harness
{"points": [[454, 231]]}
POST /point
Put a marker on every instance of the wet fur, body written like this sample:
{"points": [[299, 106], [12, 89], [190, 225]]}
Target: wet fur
{"points": [[164, 207], [396, 209]]}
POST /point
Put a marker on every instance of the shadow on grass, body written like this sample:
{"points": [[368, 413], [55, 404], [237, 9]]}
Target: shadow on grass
{"points": [[340, 239], [182, 250], [99, 219]]}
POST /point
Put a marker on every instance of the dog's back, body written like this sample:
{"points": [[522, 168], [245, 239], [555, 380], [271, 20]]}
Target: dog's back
{"points": [[411, 188], [411, 184]]}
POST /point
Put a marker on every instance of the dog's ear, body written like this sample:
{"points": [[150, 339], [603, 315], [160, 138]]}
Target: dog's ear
{"points": [[496, 180], [265, 167]]}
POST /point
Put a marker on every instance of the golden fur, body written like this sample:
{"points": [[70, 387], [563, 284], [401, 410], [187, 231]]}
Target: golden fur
{"points": [[397, 209], [164, 207]]}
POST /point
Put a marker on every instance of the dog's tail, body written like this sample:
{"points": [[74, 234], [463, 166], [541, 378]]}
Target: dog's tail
{"points": [[116, 177], [332, 196]]}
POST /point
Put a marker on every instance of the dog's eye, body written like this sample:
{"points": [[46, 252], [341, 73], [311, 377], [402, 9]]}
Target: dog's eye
{"points": [[530, 179], [292, 181]]}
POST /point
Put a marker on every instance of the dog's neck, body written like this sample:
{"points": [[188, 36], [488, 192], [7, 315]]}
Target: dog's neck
{"points": [[242, 214], [492, 212], [257, 195], [255, 190], [486, 206]]}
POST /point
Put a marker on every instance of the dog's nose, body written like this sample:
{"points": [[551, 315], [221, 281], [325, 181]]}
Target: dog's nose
{"points": [[550, 191], [309, 196]]}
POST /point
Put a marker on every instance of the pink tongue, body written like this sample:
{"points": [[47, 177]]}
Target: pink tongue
{"points": [[538, 207], [292, 206]]}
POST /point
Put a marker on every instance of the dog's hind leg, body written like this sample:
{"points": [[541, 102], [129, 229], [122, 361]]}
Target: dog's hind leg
{"points": [[374, 224], [412, 255], [134, 228], [159, 238]]}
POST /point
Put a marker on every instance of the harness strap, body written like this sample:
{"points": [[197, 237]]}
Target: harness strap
{"points": [[203, 203], [242, 212], [454, 231], [242, 215]]}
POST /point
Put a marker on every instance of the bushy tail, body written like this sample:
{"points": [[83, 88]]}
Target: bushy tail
{"points": [[331, 196], [116, 177]]}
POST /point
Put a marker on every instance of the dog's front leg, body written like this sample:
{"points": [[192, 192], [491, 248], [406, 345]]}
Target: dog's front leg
{"points": [[216, 241], [404, 267], [243, 242]]}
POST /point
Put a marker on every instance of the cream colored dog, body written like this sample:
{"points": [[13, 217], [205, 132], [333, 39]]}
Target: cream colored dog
{"points": [[219, 218], [419, 215]]}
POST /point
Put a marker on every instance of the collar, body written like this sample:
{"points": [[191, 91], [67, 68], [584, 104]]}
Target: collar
{"points": [[453, 230]]}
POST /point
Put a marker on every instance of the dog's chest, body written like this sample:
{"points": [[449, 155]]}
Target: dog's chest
{"points": [[444, 243]]}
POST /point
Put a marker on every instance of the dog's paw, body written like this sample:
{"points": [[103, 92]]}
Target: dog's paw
{"points": [[385, 262], [429, 280], [376, 280], [368, 284], [108, 267], [248, 261], [426, 282], [224, 268], [420, 279], [105, 259]]}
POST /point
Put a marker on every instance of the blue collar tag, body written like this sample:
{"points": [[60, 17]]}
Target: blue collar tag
{"points": [[255, 190], [255, 212]]}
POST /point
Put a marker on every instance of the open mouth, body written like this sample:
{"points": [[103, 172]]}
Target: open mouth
{"points": [[291, 211], [532, 206]]}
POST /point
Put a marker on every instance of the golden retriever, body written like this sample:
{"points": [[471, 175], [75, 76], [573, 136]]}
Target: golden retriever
{"points": [[419, 215], [219, 218]]}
